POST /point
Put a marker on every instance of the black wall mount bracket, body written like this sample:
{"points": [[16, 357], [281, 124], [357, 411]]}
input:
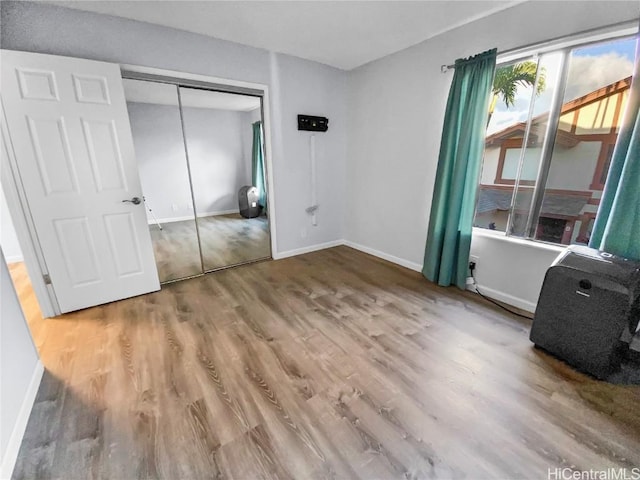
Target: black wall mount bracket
{"points": [[313, 124]]}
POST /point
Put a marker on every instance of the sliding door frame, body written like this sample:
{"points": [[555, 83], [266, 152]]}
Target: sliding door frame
{"points": [[23, 224], [217, 84]]}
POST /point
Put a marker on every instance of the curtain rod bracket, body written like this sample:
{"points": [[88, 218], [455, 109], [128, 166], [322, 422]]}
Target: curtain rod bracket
{"points": [[445, 68]]}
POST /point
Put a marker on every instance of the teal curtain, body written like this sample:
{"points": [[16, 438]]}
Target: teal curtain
{"points": [[446, 257], [257, 164], [617, 226]]}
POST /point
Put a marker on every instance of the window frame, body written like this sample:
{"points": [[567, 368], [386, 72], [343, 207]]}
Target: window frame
{"points": [[509, 143], [585, 218], [604, 161], [612, 33]]}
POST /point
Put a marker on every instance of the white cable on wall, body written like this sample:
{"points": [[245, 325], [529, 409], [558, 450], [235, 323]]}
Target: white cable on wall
{"points": [[314, 201]]}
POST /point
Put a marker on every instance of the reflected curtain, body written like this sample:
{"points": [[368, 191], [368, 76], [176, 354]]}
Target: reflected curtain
{"points": [[617, 226], [257, 164], [446, 257]]}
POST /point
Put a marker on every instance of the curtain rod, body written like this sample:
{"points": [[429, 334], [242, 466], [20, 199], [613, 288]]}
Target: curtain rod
{"points": [[625, 28]]}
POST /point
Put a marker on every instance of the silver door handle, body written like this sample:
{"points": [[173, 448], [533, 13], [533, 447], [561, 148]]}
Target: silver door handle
{"points": [[134, 200]]}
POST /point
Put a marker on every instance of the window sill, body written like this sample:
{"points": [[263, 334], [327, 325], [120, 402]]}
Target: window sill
{"points": [[501, 236]]}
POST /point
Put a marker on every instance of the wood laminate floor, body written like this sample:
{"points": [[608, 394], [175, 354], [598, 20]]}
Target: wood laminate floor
{"points": [[226, 240], [333, 364]]}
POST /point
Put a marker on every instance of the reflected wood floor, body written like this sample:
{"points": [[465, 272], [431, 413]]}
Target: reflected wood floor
{"points": [[226, 240], [333, 364]]}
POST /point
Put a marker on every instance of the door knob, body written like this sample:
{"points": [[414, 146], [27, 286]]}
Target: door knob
{"points": [[134, 200]]}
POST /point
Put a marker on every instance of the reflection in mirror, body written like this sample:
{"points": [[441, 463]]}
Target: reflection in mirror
{"points": [[154, 115], [224, 139]]}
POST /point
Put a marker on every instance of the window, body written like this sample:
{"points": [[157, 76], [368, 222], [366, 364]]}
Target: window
{"points": [[604, 160], [552, 128]]}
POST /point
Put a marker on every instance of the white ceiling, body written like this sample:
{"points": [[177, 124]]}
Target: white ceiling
{"points": [[164, 94], [343, 34]]}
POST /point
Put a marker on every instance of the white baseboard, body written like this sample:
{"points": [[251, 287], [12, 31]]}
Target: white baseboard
{"points": [[218, 212], [309, 249], [190, 217], [336, 243], [14, 258], [170, 219], [15, 440], [489, 292], [504, 297], [416, 267]]}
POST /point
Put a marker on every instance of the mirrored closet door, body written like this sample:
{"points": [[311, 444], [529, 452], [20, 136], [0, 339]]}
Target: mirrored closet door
{"points": [[223, 136], [156, 125], [200, 154]]}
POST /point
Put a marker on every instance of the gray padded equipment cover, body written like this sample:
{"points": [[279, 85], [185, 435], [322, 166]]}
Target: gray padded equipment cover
{"points": [[589, 304]]}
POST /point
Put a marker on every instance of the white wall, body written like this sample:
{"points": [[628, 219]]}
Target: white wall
{"points": [[8, 239], [396, 109], [157, 137], [309, 88], [520, 264], [219, 166], [219, 157], [296, 86], [20, 373]]}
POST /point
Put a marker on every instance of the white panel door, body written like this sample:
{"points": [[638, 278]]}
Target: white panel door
{"points": [[69, 128]]}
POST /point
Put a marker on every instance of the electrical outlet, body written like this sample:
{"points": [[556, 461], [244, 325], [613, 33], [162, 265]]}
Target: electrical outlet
{"points": [[303, 233], [174, 207], [473, 262]]}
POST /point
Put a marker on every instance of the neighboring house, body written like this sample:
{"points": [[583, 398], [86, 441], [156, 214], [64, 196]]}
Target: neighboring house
{"points": [[583, 148]]}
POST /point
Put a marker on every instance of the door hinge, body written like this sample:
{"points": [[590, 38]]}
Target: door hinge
{"points": [[47, 279]]}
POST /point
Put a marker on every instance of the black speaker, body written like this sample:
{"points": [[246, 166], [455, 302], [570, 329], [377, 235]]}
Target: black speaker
{"points": [[589, 304]]}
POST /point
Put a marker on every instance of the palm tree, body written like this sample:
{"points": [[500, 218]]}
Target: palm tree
{"points": [[509, 78]]}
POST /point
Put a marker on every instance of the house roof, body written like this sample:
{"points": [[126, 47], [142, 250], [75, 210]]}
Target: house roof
{"points": [[562, 204], [566, 139]]}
